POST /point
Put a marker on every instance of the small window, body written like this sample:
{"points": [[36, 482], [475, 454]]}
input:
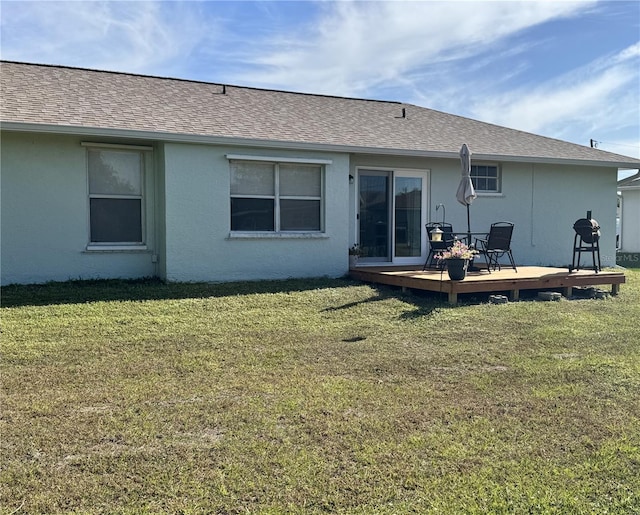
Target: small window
{"points": [[115, 196], [276, 197], [486, 178]]}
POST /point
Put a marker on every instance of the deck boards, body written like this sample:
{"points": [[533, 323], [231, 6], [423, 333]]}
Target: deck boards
{"points": [[507, 279]]}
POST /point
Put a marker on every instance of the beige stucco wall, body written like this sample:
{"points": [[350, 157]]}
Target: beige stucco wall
{"points": [[560, 195], [199, 246], [630, 237], [44, 213], [44, 224], [543, 201]]}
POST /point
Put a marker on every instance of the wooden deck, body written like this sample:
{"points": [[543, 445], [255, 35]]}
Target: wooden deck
{"points": [[505, 280]]}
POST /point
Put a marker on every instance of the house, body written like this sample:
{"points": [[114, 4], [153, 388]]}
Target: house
{"points": [[629, 191], [109, 175]]}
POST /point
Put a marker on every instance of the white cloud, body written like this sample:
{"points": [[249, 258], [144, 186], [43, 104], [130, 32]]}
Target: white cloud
{"points": [[625, 147], [138, 37], [628, 53], [600, 98], [356, 46]]}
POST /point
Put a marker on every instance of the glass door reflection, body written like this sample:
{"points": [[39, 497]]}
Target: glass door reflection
{"points": [[408, 217], [375, 215]]}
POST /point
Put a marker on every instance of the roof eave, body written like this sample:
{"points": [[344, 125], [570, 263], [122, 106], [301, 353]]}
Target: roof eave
{"points": [[294, 145], [554, 160], [629, 187]]}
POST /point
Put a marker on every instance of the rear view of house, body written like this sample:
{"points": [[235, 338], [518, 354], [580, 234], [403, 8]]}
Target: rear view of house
{"points": [[111, 175]]}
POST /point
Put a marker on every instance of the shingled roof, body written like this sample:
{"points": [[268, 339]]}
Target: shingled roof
{"points": [[632, 182], [82, 101]]}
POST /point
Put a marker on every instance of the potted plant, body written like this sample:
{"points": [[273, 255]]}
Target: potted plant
{"points": [[354, 253], [457, 259]]}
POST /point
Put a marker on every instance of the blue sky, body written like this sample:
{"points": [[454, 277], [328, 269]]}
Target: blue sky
{"points": [[568, 70]]}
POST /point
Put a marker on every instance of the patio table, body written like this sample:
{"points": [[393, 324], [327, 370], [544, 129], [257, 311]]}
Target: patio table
{"points": [[464, 236]]}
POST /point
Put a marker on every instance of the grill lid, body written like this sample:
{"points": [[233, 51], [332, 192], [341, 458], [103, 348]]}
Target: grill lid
{"points": [[588, 229]]}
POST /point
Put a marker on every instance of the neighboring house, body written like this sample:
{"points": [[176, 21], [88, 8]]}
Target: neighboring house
{"points": [[629, 191], [109, 175]]}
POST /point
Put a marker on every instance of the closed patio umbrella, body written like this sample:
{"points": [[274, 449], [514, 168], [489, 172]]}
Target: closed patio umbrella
{"points": [[466, 193]]}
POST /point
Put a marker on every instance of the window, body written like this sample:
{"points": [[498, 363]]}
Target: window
{"points": [[276, 197], [115, 196], [486, 178]]}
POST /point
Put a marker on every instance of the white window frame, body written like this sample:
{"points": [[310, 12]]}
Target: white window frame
{"points": [[118, 245], [277, 197], [498, 189]]}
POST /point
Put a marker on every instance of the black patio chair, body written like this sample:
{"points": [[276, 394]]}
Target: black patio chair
{"points": [[497, 244], [435, 247]]}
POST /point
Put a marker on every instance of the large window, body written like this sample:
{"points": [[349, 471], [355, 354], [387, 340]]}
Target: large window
{"points": [[486, 178], [115, 196], [276, 197]]}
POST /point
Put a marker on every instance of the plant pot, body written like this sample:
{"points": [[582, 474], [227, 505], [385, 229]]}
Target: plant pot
{"points": [[457, 269], [353, 261]]}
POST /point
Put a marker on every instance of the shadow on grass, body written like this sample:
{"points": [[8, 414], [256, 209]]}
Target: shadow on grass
{"points": [[105, 290], [424, 305], [349, 305], [83, 291]]}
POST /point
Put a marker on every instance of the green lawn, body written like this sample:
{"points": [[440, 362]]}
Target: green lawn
{"points": [[319, 396]]}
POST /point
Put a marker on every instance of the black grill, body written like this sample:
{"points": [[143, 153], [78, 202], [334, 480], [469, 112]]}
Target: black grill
{"points": [[587, 239], [588, 229]]}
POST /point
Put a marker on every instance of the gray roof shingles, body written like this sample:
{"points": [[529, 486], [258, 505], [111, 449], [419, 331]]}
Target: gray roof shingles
{"points": [[630, 182], [72, 97]]}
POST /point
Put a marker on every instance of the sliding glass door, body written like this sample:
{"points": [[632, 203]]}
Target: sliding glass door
{"points": [[408, 217], [391, 216], [375, 214]]}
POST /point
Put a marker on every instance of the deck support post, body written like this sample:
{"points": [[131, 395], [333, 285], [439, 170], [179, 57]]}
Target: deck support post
{"points": [[615, 289], [453, 298], [515, 295], [567, 291]]}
